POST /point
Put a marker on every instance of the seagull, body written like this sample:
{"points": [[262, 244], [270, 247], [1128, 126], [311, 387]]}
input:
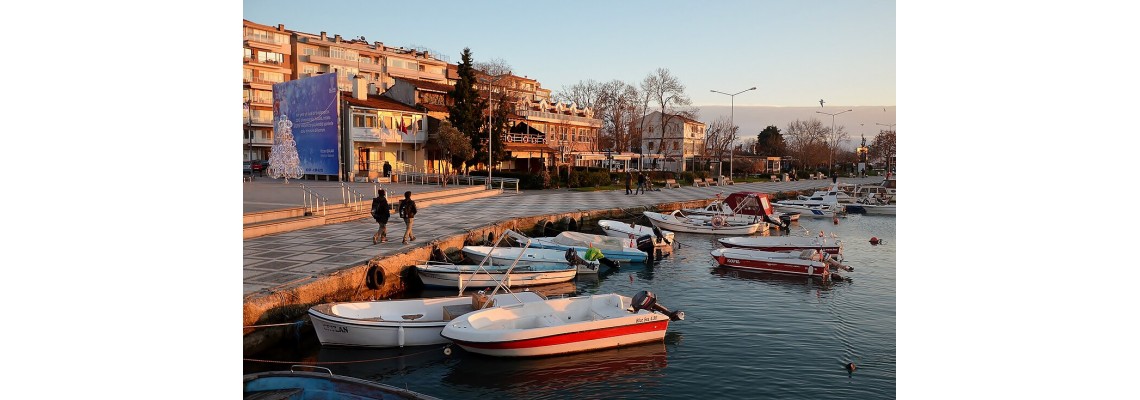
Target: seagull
{"points": [[821, 103]]}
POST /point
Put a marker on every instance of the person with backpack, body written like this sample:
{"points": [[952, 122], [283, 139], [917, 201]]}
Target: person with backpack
{"points": [[381, 211], [407, 210]]}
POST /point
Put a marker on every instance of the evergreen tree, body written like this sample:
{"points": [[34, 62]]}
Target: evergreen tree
{"points": [[465, 113], [770, 143]]}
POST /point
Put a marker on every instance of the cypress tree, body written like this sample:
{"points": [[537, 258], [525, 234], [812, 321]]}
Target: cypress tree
{"points": [[465, 113]]}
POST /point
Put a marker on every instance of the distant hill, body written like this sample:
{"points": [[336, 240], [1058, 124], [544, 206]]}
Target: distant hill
{"points": [[753, 119]]}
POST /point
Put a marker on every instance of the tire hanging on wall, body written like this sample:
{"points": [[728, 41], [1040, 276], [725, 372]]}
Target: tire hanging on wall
{"points": [[374, 277]]}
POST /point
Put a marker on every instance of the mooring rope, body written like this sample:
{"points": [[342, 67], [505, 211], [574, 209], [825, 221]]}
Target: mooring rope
{"points": [[339, 362], [298, 323]]}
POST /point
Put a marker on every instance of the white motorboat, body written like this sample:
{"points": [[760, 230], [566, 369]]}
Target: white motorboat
{"points": [[816, 211], [617, 249], [784, 243], [398, 323], [458, 275], [661, 238], [743, 203], [806, 262], [717, 225], [561, 326], [820, 204], [530, 256]]}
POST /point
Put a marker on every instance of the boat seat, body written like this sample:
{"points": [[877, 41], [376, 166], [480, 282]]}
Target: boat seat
{"points": [[411, 316], [549, 320]]}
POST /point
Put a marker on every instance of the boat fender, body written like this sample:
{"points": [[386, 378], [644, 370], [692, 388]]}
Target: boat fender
{"points": [[374, 277], [850, 367], [874, 240], [447, 350]]}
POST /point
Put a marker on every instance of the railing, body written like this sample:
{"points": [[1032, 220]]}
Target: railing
{"points": [[314, 202], [525, 138], [482, 180], [350, 197]]}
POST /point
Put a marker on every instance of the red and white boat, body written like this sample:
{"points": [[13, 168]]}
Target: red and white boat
{"points": [[561, 326], [784, 243], [806, 262]]}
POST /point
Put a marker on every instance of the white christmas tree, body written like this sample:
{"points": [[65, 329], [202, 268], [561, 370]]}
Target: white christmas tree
{"points": [[283, 160]]}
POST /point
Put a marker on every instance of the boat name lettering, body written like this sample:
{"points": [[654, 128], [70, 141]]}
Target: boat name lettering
{"points": [[647, 319], [336, 328]]}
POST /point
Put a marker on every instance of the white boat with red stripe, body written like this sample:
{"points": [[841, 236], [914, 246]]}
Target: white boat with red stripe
{"points": [[807, 262], [784, 243], [562, 326]]}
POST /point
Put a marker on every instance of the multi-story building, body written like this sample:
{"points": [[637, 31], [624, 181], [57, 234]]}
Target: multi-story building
{"points": [[267, 61], [684, 139], [383, 86]]}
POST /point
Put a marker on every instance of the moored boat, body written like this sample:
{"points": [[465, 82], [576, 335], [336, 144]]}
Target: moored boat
{"points": [[661, 238], [717, 225], [529, 256], [448, 275], [398, 323], [561, 326], [784, 243], [304, 385], [807, 262], [617, 249]]}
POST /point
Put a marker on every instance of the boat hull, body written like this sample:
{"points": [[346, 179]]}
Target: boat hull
{"points": [[756, 260], [540, 329], [394, 323], [782, 243], [631, 255], [623, 230], [320, 385], [805, 211], [435, 277], [669, 222], [530, 257]]}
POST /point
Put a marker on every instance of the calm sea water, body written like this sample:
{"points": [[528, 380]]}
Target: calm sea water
{"points": [[745, 335]]}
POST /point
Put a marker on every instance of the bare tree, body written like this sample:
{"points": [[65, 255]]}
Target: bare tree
{"points": [[496, 74], [883, 146], [834, 138], [668, 93], [586, 93], [807, 141], [720, 134]]}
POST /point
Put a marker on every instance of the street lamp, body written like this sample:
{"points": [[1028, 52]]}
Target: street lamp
{"points": [[829, 149], [249, 132], [732, 128]]}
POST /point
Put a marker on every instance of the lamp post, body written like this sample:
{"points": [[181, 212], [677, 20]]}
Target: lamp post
{"points": [[888, 157], [732, 122], [829, 149]]}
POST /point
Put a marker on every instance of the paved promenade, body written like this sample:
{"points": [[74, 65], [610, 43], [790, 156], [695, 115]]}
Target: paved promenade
{"points": [[292, 257]]}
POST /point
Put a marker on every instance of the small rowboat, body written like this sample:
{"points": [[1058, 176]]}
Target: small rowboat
{"points": [[807, 262], [784, 243], [457, 275], [620, 229], [717, 225]]}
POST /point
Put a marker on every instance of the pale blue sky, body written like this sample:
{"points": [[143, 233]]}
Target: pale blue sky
{"points": [[794, 52]]}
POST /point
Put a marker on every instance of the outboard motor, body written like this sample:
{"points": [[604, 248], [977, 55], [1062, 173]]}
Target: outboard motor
{"points": [[645, 243], [573, 259], [645, 300], [609, 263], [660, 235]]}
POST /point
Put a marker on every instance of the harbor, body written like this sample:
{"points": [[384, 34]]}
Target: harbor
{"points": [[747, 333]]}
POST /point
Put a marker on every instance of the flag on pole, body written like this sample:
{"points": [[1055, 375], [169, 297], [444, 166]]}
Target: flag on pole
{"points": [[403, 127]]}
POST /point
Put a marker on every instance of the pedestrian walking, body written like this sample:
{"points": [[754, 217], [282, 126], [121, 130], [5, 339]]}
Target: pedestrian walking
{"points": [[407, 210], [628, 181], [381, 211], [640, 183], [387, 169]]}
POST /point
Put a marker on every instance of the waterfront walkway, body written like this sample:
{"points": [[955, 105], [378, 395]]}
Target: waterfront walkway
{"points": [[296, 257]]}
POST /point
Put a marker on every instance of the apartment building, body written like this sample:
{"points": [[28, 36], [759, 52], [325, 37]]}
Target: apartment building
{"points": [[684, 138], [267, 61]]}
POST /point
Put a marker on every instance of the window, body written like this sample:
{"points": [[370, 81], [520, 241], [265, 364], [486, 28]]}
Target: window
{"points": [[271, 58], [361, 120], [650, 146], [248, 53], [676, 145]]}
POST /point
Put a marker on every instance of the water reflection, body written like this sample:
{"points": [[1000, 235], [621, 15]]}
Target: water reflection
{"points": [[378, 364], [523, 377]]}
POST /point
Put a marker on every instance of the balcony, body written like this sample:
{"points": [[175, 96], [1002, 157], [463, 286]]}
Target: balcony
{"points": [[259, 83], [552, 117], [265, 64], [264, 43]]}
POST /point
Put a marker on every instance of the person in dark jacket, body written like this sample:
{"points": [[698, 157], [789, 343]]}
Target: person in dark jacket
{"points": [[381, 211], [640, 183], [387, 169], [407, 209], [628, 181]]}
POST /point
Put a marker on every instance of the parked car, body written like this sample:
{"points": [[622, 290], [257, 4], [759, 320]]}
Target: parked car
{"points": [[259, 165], [246, 167]]}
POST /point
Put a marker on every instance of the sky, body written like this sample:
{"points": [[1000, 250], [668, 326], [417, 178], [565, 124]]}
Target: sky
{"points": [[795, 53]]}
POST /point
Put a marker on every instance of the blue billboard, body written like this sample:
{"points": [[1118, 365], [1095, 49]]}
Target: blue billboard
{"points": [[310, 104]]}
